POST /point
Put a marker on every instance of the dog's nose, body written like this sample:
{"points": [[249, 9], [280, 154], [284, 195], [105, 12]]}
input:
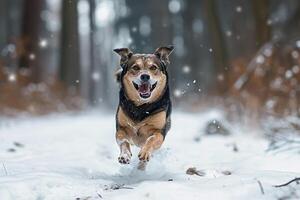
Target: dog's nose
{"points": [[145, 77]]}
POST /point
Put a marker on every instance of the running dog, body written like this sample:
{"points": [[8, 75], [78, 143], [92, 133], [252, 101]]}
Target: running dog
{"points": [[143, 114]]}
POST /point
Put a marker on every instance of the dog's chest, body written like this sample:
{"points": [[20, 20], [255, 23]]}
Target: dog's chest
{"points": [[139, 131]]}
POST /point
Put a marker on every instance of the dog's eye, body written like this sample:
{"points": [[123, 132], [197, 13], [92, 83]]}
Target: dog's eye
{"points": [[153, 67], [135, 68]]}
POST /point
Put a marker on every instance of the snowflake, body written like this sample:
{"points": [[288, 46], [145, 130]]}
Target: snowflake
{"points": [[260, 59], [270, 104], [221, 77], [12, 77], [298, 43], [296, 69], [276, 84], [134, 29], [177, 93], [228, 33], [267, 52], [186, 69], [174, 6], [288, 74], [43, 43], [31, 56], [295, 54], [239, 9], [96, 76]]}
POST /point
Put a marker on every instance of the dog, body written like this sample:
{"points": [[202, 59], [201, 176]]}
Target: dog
{"points": [[143, 114]]}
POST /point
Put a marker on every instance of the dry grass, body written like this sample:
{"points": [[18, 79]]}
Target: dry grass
{"points": [[18, 94], [269, 83]]}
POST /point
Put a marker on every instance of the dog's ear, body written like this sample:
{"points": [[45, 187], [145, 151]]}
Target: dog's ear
{"points": [[163, 53], [125, 54]]}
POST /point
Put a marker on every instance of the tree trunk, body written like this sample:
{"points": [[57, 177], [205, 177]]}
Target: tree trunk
{"points": [[30, 37], [69, 64], [3, 22], [263, 31], [92, 74], [218, 45]]}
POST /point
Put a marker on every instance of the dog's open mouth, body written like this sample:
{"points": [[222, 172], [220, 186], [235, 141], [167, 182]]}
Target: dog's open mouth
{"points": [[145, 89]]}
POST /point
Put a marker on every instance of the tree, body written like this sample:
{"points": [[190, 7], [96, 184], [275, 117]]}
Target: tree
{"points": [[218, 44], [263, 31], [3, 23], [69, 62], [91, 90], [30, 37]]}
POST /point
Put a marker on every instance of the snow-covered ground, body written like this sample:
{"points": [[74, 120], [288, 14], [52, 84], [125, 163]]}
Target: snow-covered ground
{"points": [[75, 157]]}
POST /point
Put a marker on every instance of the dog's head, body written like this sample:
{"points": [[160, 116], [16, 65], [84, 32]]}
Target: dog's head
{"points": [[144, 76]]}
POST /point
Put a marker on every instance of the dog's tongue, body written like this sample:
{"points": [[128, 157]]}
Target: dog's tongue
{"points": [[144, 88]]}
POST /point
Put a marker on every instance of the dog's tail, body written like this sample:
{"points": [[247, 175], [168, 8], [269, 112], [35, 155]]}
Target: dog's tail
{"points": [[118, 74]]}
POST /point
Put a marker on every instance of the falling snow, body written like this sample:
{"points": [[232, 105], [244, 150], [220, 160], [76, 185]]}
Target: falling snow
{"points": [[186, 69], [260, 59], [31, 56], [96, 76], [298, 43], [177, 93], [229, 33], [12, 77], [239, 9], [43, 43], [295, 54], [296, 69], [288, 74]]}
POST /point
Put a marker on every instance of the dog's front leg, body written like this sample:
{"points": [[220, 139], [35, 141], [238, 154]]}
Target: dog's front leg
{"points": [[125, 152], [153, 143]]}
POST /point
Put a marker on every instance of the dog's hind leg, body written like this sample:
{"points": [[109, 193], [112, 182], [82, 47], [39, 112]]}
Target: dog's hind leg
{"points": [[153, 143], [125, 152]]}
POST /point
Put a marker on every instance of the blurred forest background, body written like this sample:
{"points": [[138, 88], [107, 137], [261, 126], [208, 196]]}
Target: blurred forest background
{"points": [[240, 55]]}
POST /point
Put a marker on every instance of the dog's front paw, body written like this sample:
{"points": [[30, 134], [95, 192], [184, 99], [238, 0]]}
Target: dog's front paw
{"points": [[124, 158], [144, 155]]}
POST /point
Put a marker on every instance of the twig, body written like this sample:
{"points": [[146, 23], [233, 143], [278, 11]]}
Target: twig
{"points": [[291, 181], [116, 187], [99, 195], [282, 143], [193, 170], [6, 173], [261, 187]]}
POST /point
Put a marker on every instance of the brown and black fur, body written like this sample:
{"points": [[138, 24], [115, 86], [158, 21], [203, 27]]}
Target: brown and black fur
{"points": [[140, 122]]}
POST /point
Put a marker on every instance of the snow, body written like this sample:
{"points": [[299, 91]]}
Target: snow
{"points": [[32, 56], [229, 33], [239, 9], [174, 6], [12, 77], [186, 69], [75, 156], [43, 43], [177, 93], [260, 59]]}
